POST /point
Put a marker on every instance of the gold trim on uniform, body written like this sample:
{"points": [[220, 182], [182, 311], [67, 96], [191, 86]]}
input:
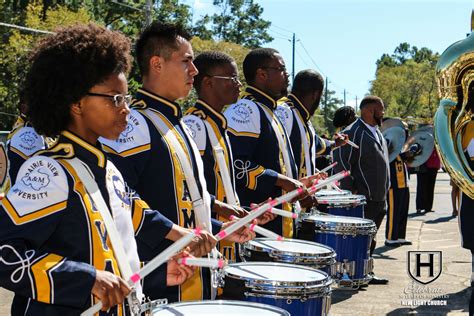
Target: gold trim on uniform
{"points": [[43, 284]]}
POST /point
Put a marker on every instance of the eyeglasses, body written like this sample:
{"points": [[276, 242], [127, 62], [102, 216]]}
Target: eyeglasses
{"points": [[280, 69], [119, 99], [235, 79]]}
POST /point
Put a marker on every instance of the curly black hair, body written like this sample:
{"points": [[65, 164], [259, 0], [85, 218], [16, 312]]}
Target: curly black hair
{"points": [[306, 82], [206, 62], [158, 39], [65, 66]]}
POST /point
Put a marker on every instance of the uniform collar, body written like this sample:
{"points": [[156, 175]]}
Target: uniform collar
{"points": [[209, 111], [91, 155], [157, 102], [299, 106], [261, 97]]}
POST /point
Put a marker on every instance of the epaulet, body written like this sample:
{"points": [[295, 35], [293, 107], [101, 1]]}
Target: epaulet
{"points": [[284, 113], [138, 104], [133, 140], [197, 112], [57, 151], [26, 142], [283, 100], [243, 118], [197, 130], [41, 189]]}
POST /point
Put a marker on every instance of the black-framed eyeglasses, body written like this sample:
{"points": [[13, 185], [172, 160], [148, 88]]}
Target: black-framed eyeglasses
{"points": [[235, 79], [119, 99], [280, 69]]}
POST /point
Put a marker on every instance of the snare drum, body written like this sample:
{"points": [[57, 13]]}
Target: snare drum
{"points": [[294, 251], [206, 308], [300, 290], [341, 203], [350, 237]]}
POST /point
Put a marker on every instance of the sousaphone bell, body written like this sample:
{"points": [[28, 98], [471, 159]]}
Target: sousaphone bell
{"points": [[393, 130], [421, 143]]}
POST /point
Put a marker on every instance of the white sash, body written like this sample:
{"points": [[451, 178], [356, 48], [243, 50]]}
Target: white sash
{"points": [[220, 159], [304, 142], [281, 143], [202, 207], [96, 196]]}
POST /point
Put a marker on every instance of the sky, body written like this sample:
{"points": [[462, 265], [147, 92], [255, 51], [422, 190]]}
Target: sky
{"points": [[343, 39]]}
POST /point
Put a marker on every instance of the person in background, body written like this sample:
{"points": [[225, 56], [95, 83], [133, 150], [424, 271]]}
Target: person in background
{"points": [[425, 182], [369, 166], [343, 117]]}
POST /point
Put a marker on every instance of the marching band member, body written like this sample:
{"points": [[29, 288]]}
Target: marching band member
{"points": [[343, 117], [56, 253], [157, 155], [368, 164], [296, 114], [217, 85]]}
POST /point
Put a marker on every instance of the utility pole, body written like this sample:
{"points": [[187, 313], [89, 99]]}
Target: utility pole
{"points": [[293, 59], [344, 97], [148, 11], [326, 94], [356, 105]]}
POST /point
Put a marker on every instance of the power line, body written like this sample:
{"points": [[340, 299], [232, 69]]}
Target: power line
{"points": [[282, 28], [279, 33], [24, 28], [311, 58]]}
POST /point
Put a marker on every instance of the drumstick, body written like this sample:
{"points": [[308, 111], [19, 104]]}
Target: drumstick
{"points": [[327, 168], [283, 213], [318, 184], [152, 265], [349, 142], [260, 230], [202, 262], [257, 212]]}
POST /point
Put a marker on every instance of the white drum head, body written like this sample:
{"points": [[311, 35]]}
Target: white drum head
{"points": [[340, 219], [272, 271], [222, 308], [325, 193], [291, 246]]}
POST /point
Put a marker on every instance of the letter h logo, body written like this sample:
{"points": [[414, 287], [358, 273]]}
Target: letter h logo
{"points": [[424, 266]]}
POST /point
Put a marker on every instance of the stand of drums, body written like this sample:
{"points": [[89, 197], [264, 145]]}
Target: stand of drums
{"points": [[296, 276]]}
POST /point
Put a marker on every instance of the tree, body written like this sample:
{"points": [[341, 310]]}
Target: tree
{"points": [[322, 118], [238, 21], [406, 82], [16, 46]]}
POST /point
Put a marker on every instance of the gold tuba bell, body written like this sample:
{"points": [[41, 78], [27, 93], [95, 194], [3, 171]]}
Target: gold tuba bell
{"points": [[455, 75]]}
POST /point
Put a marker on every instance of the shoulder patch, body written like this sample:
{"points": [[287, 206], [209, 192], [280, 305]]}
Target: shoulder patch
{"points": [[285, 115], [197, 130], [26, 142], [243, 118], [134, 139], [41, 189]]}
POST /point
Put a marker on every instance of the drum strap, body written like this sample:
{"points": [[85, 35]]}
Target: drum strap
{"points": [[230, 194], [284, 146], [96, 196], [201, 206], [304, 142]]}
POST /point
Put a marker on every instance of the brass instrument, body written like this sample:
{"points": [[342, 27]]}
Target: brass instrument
{"points": [[423, 139], [393, 130], [455, 75]]}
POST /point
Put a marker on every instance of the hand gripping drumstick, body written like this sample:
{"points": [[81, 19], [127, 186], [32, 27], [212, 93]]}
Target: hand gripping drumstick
{"points": [[257, 212], [260, 230], [152, 265], [279, 200], [349, 142]]}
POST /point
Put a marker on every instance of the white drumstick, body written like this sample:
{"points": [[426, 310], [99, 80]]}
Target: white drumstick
{"points": [[202, 262], [257, 212], [152, 265], [260, 230], [327, 168], [283, 213]]}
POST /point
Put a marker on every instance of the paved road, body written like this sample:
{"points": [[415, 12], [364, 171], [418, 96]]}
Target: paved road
{"points": [[432, 231], [437, 230]]}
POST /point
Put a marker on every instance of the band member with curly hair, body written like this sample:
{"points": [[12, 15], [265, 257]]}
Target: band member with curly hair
{"points": [[56, 253]]}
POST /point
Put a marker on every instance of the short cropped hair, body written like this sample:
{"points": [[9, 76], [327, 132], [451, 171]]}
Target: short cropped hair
{"points": [[158, 39], [370, 99], [257, 58], [306, 82], [343, 116], [65, 66], [206, 62]]}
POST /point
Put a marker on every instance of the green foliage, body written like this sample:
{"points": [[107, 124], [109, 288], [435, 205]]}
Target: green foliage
{"points": [[322, 118], [238, 21], [406, 82]]}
